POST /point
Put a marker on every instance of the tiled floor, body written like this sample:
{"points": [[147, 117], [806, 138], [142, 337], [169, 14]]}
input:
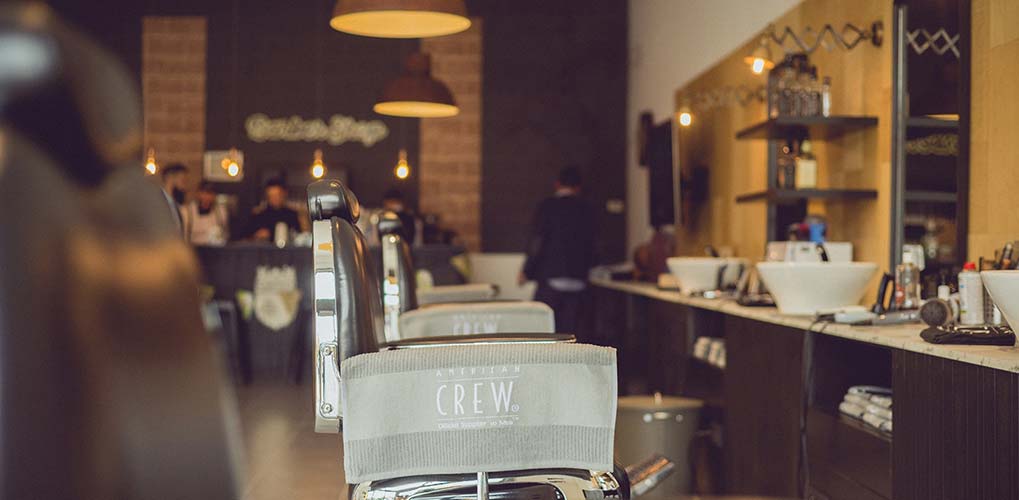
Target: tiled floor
{"points": [[286, 459]]}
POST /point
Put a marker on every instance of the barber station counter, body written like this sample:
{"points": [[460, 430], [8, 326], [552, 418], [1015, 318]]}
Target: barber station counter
{"points": [[905, 337], [956, 408]]}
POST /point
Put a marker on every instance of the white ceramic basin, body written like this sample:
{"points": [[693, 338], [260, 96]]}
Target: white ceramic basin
{"points": [[1004, 289], [803, 288], [699, 274]]}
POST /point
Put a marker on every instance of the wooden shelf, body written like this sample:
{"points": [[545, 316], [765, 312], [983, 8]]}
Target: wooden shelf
{"points": [[932, 123], [793, 195], [931, 196], [817, 127]]}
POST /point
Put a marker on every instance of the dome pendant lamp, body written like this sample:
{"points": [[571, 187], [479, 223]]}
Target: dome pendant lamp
{"points": [[400, 18], [416, 94]]}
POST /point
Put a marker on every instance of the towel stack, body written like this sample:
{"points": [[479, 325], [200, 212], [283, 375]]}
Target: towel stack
{"points": [[870, 404], [710, 350]]}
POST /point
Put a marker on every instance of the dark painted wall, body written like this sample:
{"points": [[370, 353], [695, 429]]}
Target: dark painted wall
{"points": [[554, 94], [288, 62]]}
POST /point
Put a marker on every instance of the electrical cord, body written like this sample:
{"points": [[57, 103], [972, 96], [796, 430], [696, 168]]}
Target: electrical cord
{"points": [[807, 396]]}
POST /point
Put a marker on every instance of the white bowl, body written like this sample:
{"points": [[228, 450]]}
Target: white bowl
{"points": [[803, 288], [1004, 289], [700, 274]]}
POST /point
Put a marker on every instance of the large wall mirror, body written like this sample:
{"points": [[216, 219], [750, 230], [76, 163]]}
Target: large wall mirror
{"points": [[930, 136]]}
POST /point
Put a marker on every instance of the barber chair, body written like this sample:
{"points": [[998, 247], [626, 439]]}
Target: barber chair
{"points": [[446, 310], [109, 384], [349, 326]]}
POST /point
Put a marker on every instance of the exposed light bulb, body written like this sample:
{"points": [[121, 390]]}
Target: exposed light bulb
{"points": [[318, 168], [230, 164], [684, 117], [757, 66], [151, 167], [761, 57], [402, 170]]}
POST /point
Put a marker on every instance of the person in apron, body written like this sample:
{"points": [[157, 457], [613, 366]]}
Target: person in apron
{"points": [[205, 222]]}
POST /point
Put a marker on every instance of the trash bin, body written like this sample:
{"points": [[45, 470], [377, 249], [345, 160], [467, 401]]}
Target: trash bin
{"points": [[658, 424]]}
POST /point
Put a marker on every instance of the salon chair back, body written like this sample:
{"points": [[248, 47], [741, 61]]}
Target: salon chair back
{"points": [[109, 385]]}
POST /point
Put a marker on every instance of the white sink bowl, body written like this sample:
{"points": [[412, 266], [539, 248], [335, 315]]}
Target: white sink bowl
{"points": [[700, 274], [1004, 289], [803, 288]]}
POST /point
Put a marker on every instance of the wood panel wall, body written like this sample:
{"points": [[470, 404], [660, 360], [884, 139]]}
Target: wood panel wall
{"points": [[994, 133], [861, 85]]}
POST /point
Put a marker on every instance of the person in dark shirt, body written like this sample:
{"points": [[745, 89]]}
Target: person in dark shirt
{"points": [[263, 221], [175, 180], [393, 201], [561, 250]]}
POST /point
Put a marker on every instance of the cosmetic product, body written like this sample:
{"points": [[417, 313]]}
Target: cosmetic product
{"points": [[971, 296], [826, 96], [907, 284], [806, 167], [937, 312], [786, 163]]}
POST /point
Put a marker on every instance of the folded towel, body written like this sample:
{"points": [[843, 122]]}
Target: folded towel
{"points": [[881, 412], [477, 318], [877, 422], [882, 401], [852, 410], [861, 401], [478, 408]]}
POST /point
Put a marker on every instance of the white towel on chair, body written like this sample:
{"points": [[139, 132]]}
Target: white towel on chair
{"points": [[478, 408]]}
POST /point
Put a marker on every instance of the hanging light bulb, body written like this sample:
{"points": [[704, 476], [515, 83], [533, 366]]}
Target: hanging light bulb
{"points": [[318, 168], [684, 117], [231, 163], [760, 58], [402, 170], [400, 18], [151, 167]]}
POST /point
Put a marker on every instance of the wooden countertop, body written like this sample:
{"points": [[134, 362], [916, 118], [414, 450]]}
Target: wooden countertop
{"points": [[906, 337]]}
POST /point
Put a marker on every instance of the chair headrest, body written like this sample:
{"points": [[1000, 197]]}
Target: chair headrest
{"points": [[65, 94], [390, 223], [328, 198]]}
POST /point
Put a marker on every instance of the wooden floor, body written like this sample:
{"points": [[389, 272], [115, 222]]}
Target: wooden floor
{"points": [[285, 458]]}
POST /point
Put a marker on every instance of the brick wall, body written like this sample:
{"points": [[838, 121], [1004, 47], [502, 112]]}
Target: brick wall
{"points": [[450, 161], [173, 89]]}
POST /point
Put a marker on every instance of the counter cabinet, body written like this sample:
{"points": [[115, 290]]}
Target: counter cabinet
{"points": [[956, 424]]}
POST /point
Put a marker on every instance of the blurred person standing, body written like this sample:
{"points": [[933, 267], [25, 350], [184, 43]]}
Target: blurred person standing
{"points": [[561, 250], [175, 180], [393, 201], [272, 211], [205, 221]]}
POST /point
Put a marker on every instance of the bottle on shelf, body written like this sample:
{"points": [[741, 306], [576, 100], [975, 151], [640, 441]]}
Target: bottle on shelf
{"points": [[826, 96], [806, 167], [786, 163]]}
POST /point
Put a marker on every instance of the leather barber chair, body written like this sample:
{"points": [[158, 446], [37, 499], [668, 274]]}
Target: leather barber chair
{"points": [[404, 410], [109, 384], [445, 310]]}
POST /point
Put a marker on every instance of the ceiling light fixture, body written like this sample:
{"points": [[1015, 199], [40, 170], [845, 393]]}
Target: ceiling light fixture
{"points": [[416, 94], [400, 18]]}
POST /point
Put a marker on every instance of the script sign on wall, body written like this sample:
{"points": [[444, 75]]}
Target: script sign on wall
{"points": [[338, 130]]}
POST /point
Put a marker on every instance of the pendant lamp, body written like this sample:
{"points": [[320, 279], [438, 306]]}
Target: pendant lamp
{"points": [[400, 18], [416, 94]]}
